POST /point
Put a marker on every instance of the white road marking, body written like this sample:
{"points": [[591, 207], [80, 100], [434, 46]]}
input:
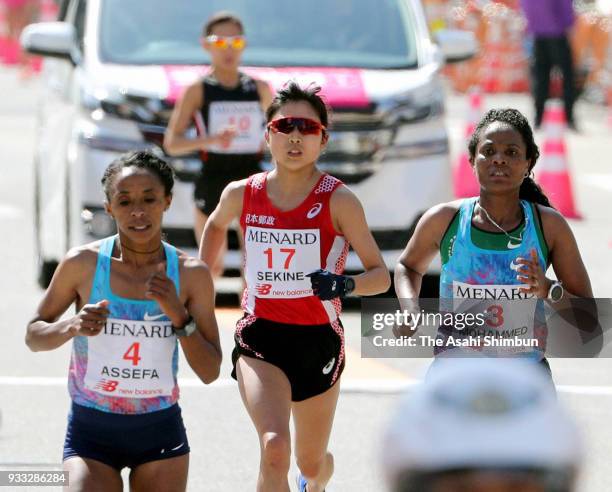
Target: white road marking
{"points": [[10, 212], [372, 386], [601, 180]]}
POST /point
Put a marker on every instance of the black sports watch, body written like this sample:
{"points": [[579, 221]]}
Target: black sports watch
{"points": [[349, 285], [555, 293], [187, 329]]}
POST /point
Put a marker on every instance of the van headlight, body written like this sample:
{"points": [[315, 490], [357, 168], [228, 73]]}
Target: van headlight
{"points": [[118, 103], [98, 222], [100, 130], [423, 102], [356, 143]]}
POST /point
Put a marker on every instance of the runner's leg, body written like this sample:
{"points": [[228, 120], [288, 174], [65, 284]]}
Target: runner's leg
{"points": [[313, 419], [87, 475], [168, 475], [266, 394]]}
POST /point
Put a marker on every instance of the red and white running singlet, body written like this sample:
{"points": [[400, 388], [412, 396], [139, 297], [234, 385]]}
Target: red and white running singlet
{"points": [[281, 248]]}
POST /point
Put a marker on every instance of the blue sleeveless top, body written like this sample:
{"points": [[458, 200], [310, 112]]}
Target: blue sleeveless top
{"points": [[131, 366], [485, 280]]}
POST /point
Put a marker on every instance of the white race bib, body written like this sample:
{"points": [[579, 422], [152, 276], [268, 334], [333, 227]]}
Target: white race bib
{"points": [[131, 359], [246, 117], [506, 314], [279, 259]]}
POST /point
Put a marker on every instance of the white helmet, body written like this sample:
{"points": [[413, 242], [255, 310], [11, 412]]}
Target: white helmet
{"points": [[481, 414]]}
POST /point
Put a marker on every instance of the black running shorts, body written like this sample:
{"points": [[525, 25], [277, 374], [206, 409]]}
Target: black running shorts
{"points": [[311, 356], [217, 172]]}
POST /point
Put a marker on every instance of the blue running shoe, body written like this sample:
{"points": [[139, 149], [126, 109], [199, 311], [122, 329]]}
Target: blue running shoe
{"points": [[301, 482]]}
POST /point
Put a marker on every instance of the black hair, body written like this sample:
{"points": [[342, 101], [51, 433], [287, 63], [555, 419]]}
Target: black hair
{"points": [[144, 159], [529, 190], [292, 92], [220, 18]]}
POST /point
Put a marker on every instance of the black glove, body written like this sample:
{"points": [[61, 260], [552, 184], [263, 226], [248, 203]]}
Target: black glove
{"points": [[329, 285]]}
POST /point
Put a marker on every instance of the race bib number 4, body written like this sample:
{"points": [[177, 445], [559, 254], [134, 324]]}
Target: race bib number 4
{"points": [[245, 117], [279, 259], [132, 359]]}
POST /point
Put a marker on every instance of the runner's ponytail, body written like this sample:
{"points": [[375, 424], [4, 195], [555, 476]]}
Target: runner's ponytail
{"points": [[531, 192]]}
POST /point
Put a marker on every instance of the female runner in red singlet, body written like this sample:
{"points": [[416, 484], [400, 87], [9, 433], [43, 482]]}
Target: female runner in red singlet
{"points": [[297, 224]]}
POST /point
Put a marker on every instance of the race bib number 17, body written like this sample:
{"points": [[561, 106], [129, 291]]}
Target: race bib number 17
{"points": [[279, 259]]}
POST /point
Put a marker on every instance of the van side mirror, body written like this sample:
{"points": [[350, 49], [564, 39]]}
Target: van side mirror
{"points": [[54, 39], [456, 45]]}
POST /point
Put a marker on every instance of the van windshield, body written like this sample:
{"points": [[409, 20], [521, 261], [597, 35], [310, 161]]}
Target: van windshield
{"points": [[335, 33]]}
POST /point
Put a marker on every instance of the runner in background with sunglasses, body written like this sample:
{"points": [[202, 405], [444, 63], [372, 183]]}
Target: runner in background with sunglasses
{"points": [[231, 105], [297, 223]]}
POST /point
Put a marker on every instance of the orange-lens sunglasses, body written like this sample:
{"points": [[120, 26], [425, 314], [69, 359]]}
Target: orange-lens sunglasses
{"points": [[225, 42]]}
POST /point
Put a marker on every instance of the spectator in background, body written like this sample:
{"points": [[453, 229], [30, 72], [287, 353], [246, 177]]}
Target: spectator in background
{"points": [[482, 425], [590, 44], [549, 22]]}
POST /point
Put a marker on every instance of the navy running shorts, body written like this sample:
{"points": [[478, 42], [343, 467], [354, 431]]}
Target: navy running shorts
{"points": [[120, 440], [311, 356]]}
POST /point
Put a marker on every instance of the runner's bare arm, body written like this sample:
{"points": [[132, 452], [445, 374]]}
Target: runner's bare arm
{"points": [[422, 249], [215, 231], [566, 260], [44, 331], [265, 94], [202, 349], [175, 142], [349, 219]]}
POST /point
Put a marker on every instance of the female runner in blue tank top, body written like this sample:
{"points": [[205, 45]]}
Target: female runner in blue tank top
{"points": [[502, 241], [135, 296]]}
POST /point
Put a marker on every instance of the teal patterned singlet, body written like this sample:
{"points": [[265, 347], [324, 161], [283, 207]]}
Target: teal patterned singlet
{"points": [[483, 280], [131, 366]]}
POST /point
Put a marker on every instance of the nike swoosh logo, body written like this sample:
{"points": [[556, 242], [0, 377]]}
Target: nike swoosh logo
{"points": [[330, 365], [178, 447], [511, 245], [148, 317]]}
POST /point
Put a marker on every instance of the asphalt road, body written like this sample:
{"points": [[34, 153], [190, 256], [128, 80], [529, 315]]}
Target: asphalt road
{"points": [[34, 400]]}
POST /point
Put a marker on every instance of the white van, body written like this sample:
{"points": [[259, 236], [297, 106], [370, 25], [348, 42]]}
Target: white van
{"points": [[115, 68]]}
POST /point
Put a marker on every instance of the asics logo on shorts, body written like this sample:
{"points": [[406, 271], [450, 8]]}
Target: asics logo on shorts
{"points": [[329, 366], [315, 210], [155, 317]]}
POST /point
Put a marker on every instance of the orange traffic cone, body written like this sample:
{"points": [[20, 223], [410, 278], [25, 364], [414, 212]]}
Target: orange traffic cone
{"points": [[3, 35], [464, 182], [553, 173], [609, 101]]}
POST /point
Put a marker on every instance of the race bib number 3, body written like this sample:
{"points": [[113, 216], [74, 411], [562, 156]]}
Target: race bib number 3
{"points": [[507, 312], [131, 359], [245, 117], [279, 259]]}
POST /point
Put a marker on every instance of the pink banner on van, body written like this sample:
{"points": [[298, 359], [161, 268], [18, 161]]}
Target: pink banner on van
{"points": [[341, 87], [179, 77]]}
